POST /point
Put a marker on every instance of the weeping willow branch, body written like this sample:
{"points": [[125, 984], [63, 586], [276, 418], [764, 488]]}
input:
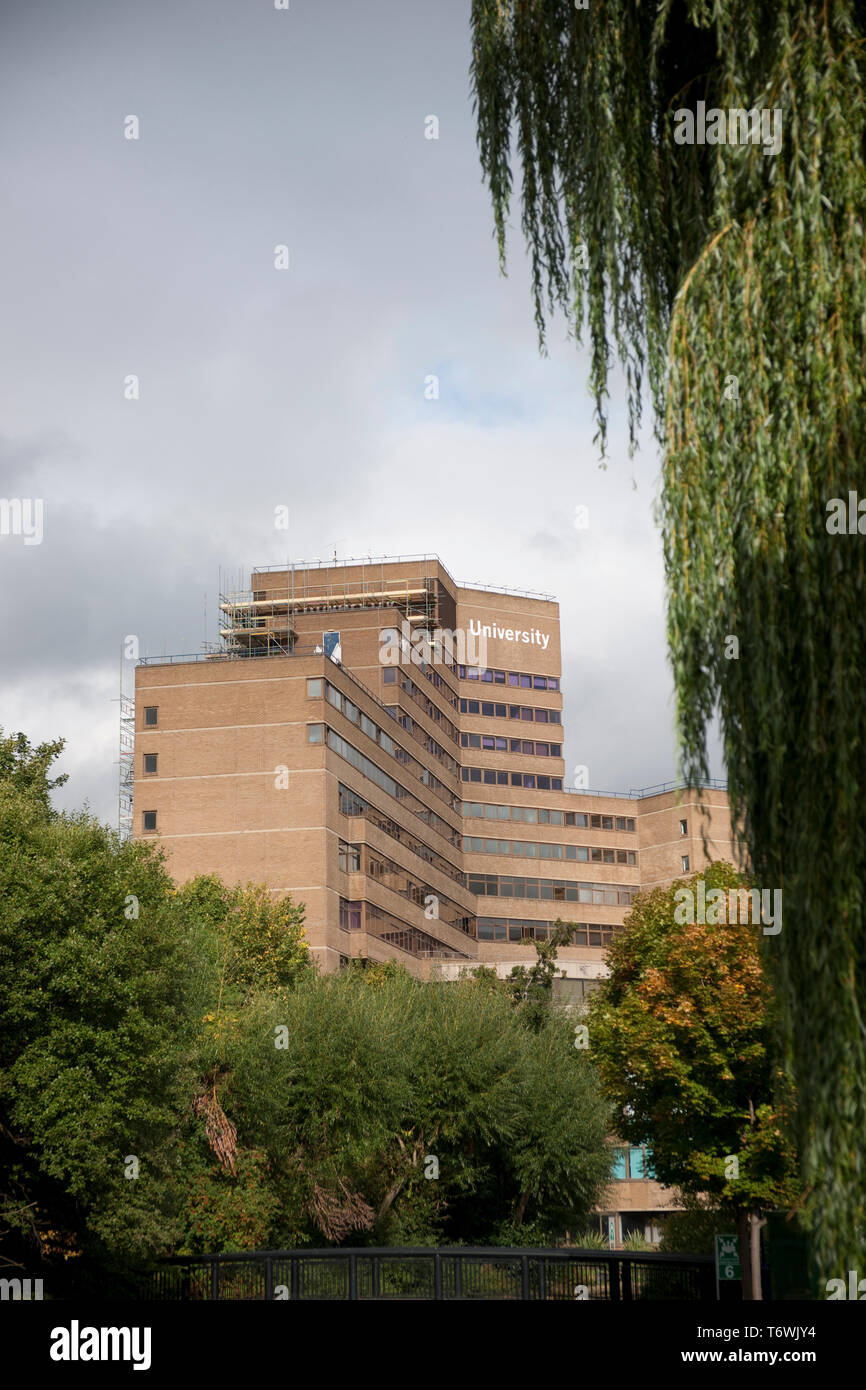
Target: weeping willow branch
{"points": [[730, 285]]}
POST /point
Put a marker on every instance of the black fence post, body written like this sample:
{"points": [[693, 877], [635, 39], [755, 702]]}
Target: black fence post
{"points": [[296, 1277], [542, 1277], [353, 1278], [524, 1292], [458, 1276], [437, 1276], [269, 1277], [626, 1281], [376, 1289], [215, 1279], [613, 1285]]}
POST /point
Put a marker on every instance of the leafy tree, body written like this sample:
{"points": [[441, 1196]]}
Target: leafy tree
{"points": [[531, 987], [99, 998], [732, 282], [26, 768], [682, 1033], [381, 1073]]}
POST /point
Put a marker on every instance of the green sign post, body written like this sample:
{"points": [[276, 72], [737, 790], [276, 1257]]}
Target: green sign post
{"points": [[727, 1260]]}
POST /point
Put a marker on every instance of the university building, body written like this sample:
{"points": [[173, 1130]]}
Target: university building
{"points": [[386, 746]]}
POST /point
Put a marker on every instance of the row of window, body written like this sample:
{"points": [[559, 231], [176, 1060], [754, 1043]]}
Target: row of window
{"points": [[515, 678], [551, 889], [316, 734], [530, 780], [355, 715], [420, 735], [361, 858], [358, 916], [391, 676], [351, 804], [531, 747], [528, 713], [537, 849], [439, 681], [533, 815], [385, 742], [515, 929]]}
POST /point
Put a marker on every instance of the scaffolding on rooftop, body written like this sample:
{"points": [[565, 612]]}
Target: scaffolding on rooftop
{"points": [[262, 619]]}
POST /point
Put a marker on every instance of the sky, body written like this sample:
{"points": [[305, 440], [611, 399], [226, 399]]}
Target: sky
{"points": [[303, 387]]}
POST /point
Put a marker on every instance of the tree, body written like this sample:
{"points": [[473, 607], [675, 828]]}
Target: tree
{"points": [[100, 996], [26, 768], [682, 1031], [399, 1111], [731, 278]]}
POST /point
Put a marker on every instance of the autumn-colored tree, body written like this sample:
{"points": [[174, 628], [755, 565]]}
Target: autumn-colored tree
{"points": [[682, 1033]]}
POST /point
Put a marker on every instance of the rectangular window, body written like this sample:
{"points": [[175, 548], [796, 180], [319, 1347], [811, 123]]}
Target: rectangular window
{"points": [[499, 677], [684, 827], [314, 689], [636, 1163], [350, 857], [541, 716], [500, 711], [487, 708], [542, 750], [150, 715], [149, 821], [685, 863], [350, 915], [389, 675], [335, 697], [150, 762], [351, 711], [513, 678], [315, 733]]}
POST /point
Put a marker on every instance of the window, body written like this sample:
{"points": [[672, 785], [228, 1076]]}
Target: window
{"points": [[389, 675], [150, 762], [314, 689], [684, 827], [350, 915], [685, 863], [314, 733], [350, 857], [149, 821], [150, 715], [618, 1169]]}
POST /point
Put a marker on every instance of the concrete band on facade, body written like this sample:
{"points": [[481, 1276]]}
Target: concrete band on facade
{"points": [[328, 773]]}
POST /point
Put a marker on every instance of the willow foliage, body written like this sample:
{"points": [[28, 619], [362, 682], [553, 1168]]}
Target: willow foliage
{"points": [[730, 284]]}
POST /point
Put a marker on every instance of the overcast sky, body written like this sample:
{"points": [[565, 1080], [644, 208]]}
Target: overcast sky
{"points": [[302, 387]]}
